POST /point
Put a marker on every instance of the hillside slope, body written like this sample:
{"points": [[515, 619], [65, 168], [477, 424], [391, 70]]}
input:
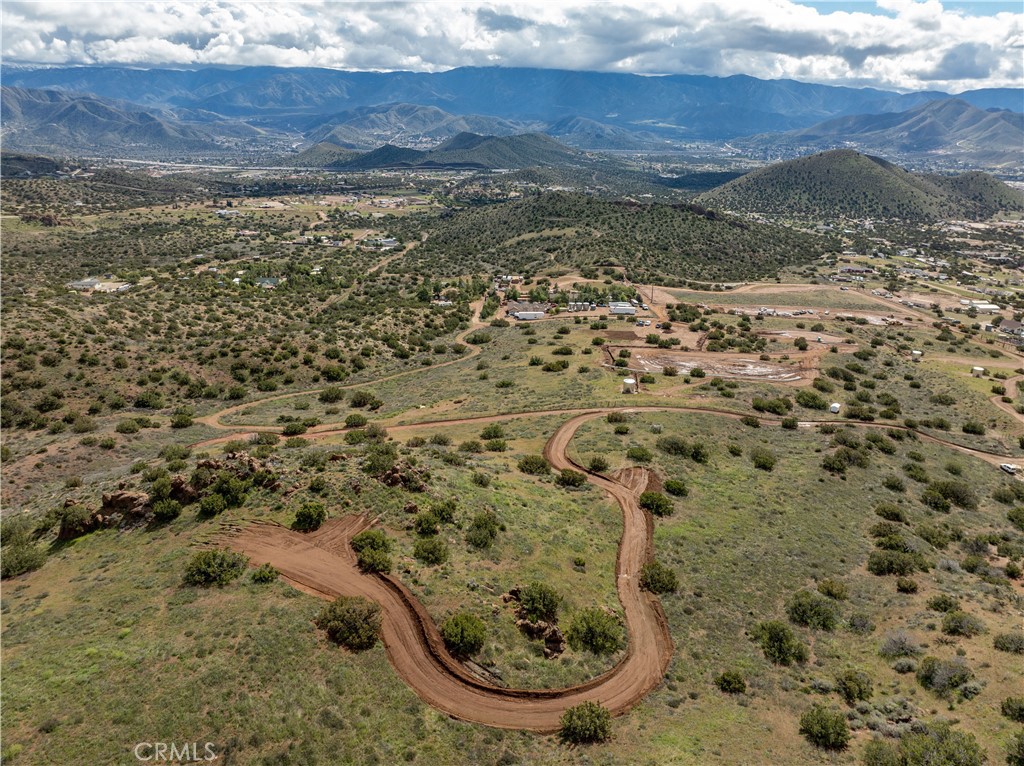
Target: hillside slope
{"points": [[667, 243], [845, 183]]}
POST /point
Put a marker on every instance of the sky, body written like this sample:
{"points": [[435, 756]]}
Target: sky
{"points": [[893, 44]]}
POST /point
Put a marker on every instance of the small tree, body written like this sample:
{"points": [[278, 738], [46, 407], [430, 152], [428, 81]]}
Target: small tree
{"points": [[599, 464], [586, 722], [464, 634], [540, 602], [351, 621], [309, 517], [594, 630], [825, 728]]}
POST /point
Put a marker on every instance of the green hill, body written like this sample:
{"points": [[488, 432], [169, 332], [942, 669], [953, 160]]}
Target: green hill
{"points": [[666, 243], [319, 155], [846, 183], [471, 151]]}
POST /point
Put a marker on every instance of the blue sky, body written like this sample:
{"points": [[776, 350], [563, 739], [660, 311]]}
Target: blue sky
{"points": [[968, 8], [892, 44]]}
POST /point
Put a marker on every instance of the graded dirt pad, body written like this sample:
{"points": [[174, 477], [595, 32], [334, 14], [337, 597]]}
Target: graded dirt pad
{"points": [[745, 366], [323, 564]]}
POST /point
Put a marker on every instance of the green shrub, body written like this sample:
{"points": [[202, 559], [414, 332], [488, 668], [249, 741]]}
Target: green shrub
{"points": [[426, 523], [813, 611], [128, 426], [762, 458], [676, 487], [351, 621], [166, 510], [540, 602], [779, 644], [20, 553], [373, 549], [464, 634], [432, 551], [212, 504], [891, 512], [943, 676], [570, 478], [214, 567], [1013, 708], [595, 630], [585, 723], [825, 728], [895, 563], [943, 603], [1012, 642], [332, 394], [309, 517], [957, 623], [535, 465], [483, 530], [640, 454], [854, 686], [658, 578], [927, 744], [264, 573], [731, 682], [906, 585], [656, 503], [834, 589], [599, 464]]}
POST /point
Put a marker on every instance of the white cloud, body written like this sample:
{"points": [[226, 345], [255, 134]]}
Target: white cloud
{"points": [[913, 45]]}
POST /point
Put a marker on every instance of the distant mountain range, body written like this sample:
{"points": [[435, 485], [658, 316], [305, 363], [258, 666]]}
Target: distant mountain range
{"points": [[844, 183], [50, 120], [991, 138], [676, 106], [312, 117]]}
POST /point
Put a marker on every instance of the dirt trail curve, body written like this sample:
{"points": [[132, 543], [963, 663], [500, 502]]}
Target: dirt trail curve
{"points": [[322, 564]]}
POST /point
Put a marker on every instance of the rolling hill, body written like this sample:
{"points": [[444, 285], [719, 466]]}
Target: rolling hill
{"points": [[946, 127], [666, 243], [848, 184]]}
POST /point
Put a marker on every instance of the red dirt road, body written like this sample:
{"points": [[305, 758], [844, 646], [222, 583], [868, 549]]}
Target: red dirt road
{"points": [[322, 564]]}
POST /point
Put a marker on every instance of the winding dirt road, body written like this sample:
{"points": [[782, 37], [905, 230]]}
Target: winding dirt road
{"points": [[323, 564]]}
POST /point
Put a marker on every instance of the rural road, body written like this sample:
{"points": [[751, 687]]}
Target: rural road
{"points": [[323, 564]]}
